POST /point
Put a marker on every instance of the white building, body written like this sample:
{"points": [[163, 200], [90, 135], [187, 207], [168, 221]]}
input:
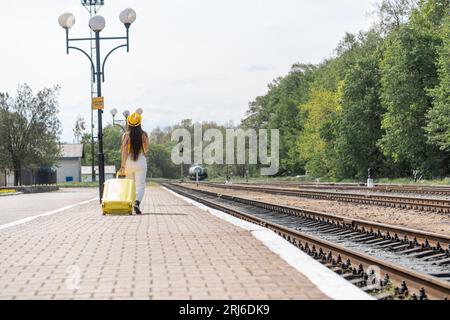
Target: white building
{"points": [[68, 168], [86, 173]]}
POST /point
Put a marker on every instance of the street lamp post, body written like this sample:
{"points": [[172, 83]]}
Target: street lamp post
{"points": [[92, 6], [125, 114], [97, 24]]}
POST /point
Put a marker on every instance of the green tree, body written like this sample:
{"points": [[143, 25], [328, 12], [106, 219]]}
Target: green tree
{"points": [[408, 71], [159, 162], [394, 13], [359, 127], [430, 16], [438, 126], [86, 141], [315, 142], [278, 109], [112, 136], [29, 129]]}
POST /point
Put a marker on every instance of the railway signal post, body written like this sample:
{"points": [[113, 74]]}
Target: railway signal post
{"points": [[369, 178]]}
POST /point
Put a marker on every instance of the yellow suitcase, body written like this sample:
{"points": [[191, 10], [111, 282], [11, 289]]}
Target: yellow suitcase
{"points": [[119, 196]]}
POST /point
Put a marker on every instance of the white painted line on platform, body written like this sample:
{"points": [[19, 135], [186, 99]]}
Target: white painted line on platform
{"points": [[326, 280], [28, 219]]}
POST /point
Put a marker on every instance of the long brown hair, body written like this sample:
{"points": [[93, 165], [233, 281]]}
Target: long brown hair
{"points": [[135, 141]]}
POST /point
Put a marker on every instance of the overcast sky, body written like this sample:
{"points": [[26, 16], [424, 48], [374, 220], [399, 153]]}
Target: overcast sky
{"points": [[198, 59]]}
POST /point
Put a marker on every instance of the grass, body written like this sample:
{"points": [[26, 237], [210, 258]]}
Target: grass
{"points": [[445, 181], [78, 184]]}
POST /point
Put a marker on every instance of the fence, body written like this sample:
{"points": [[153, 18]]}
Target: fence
{"points": [[29, 177]]}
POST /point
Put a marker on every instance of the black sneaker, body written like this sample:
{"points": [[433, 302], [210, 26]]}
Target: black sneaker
{"points": [[137, 210]]}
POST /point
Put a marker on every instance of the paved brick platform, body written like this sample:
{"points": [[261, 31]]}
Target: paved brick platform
{"points": [[174, 251]]}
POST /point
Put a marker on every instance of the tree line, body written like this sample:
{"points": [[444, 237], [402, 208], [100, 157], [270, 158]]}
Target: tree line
{"points": [[381, 102]]}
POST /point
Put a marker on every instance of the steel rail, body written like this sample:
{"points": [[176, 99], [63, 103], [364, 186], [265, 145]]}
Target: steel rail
{"points": [[435, 205], [438, 190]]}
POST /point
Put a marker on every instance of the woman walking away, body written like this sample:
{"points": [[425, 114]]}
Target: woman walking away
{"points": [[134, 163]]}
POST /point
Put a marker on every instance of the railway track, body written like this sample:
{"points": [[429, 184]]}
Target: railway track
{"points": [[414, 189], [316, 233], [424, 204]]}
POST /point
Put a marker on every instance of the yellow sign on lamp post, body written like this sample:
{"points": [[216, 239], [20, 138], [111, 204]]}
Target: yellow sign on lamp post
{"points": [[98, 103]]}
